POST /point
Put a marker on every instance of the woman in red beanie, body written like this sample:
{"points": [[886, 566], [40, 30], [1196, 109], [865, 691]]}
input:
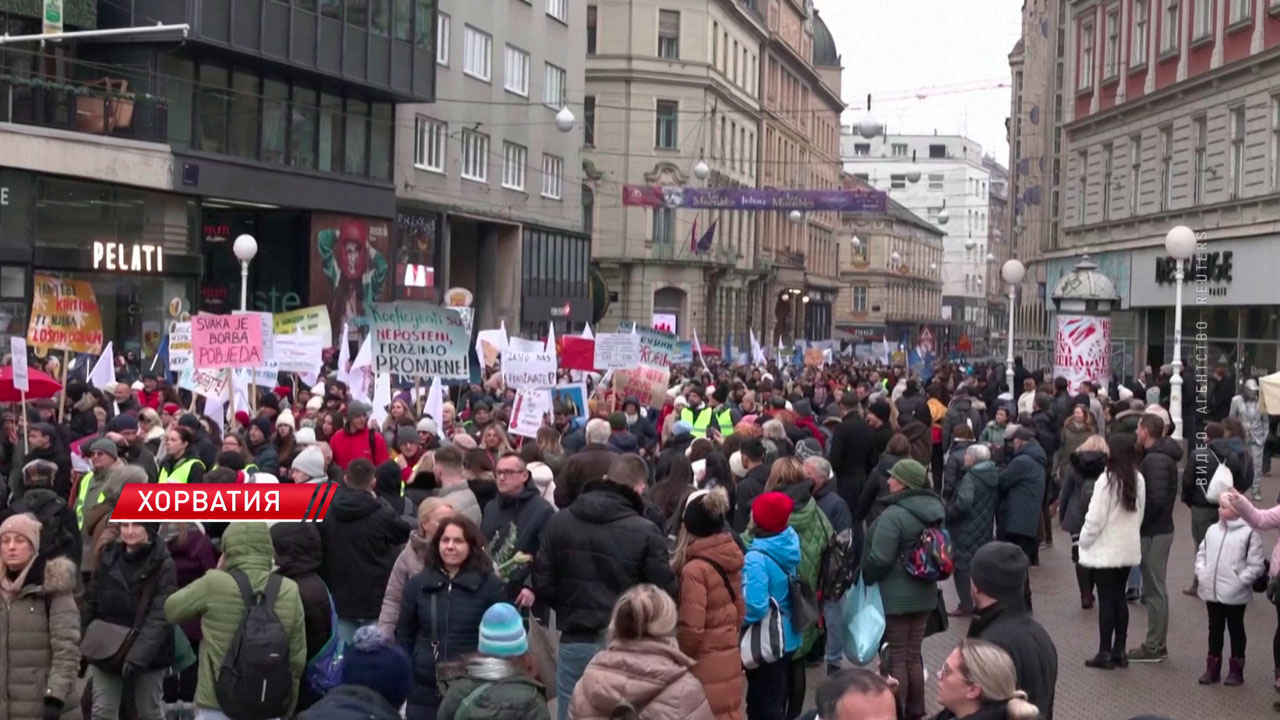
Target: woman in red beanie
{"points": [[771, 559]]}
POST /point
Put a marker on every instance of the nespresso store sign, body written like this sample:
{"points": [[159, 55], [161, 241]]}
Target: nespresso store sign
{"points": [[128, 257]]}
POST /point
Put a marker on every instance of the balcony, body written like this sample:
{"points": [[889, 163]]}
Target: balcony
{"points": [[101, 107], [790, 258], [720, 255]]}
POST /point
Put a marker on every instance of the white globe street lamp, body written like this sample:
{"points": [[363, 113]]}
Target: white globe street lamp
{"points": [[856, 242], [896, 257], [868, 126], [1012, 273], [991, 257], [943, 216], [245, 248], [796, 217], [1180, 243], [970, 243], [701, 170], [565, 119]]}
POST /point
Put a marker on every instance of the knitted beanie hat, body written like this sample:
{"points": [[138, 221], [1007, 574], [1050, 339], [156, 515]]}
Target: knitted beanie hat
{"points": [[371, 660], [502, 632], [25, 525], [771, 511]]}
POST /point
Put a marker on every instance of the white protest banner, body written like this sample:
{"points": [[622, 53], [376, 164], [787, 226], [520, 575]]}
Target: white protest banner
{"points": [[179, 346], [299, 353], [528, 370], [419, 340], [529, 412], [656, 347], [617, 351], [490, 345], [21, 374], [523, 345], [203, 382]]}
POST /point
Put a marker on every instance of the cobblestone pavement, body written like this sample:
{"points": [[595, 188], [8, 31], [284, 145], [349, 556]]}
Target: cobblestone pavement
{"points": [[1169, 688]]}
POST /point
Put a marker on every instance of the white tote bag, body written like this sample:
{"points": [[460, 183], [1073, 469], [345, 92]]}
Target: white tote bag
{"points": [[763, 642], [1221, 482]]}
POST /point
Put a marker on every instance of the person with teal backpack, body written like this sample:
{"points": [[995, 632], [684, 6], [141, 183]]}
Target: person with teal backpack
{"points": [[374, 675], [499, 682]]}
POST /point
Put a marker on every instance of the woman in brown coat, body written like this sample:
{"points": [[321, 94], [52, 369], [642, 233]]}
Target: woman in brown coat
{"points": [[39, 626], [709, 564]]}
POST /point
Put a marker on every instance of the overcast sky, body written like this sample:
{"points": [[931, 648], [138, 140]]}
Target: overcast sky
{"points": [[896, 49]]}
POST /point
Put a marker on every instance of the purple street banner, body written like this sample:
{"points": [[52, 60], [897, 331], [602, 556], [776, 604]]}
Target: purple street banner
{"points": [[676, 196]]}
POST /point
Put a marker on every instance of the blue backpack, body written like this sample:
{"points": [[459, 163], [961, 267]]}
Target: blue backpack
{"points": [[324, 670]]}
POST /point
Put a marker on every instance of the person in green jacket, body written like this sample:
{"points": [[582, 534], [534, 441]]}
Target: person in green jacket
{"points": [[910, 507], [499, 683], [993, 433], [215, 599]]}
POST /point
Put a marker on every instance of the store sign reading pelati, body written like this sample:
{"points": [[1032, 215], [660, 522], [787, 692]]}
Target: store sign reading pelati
{"points": [[128, 257]]}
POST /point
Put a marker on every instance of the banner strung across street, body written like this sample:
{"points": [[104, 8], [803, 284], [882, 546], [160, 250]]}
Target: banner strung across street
{"points": [[419, 340], [677, 196], [64, 316]]}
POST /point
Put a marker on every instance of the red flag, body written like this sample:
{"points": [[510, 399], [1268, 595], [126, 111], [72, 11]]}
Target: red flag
{"points": [[577, 353]]}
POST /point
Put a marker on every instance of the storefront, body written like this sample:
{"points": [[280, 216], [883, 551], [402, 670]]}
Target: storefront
{"points": [[554, 281]]}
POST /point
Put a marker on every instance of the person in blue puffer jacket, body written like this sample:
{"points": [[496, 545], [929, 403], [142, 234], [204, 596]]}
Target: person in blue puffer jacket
{"points": [[771, 559]]}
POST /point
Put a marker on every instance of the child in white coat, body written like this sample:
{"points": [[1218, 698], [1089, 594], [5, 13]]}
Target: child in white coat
{"points": [[1229, 559]]}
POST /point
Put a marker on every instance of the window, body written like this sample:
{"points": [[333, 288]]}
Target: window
{"points": [[1237, 151], [477, 47], [1275, 143], [553, 89], [304, 125], [1241, 11], [244, 119], [897, 182], [1166, 167], [382, 125], [1086, 57], [937, 151], [475, 156], [358, 13], [899, 149], [862, 149], [936, 181], [591, 29], [1111, 54], [552, 177], [1135, 173], [429, 144], [514, 158], [442, 40], [589, 120], [664, 225], [1108, 172], [669, 34], [559, 9], [1200, 136], [1082, 185], [1138, 44], [516, 79], [355, 160], [404, 20], [859, 298], [381, 17], [275, 121], [331, 9], [1201, 19], [1169, 26], [667, 125]]}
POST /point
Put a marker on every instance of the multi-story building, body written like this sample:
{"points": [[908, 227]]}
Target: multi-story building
{"points": [[890, 276], [165, 146], [670, 89], [943, 179], [489, 169], [1037, 65], [1175, 120], [800, 149], [992, 341]]}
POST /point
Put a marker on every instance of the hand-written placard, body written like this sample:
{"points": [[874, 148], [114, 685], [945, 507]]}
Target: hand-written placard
{"points": [[179, 346], [529, 412], [203, 382], [21, 373], [64, 316], [617, 351], [813, 357], [300, 353], [657, 348], [415, 339], [310, 320], [646, 383], [528, 370], [226, 341]]}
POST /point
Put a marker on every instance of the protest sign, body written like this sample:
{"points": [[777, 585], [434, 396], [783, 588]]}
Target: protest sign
{"points": [[528, 370], [226, 341], [813, 357], [309, 321], [489, 346], [468, 315], [419, 340], [647, 383], [617, 351], [269, 372], [524, 345], [573, 396], [64, 316], [299, 353], [529, 412], [577, 353], [179, 346], [21, 373], [656, 347], [203, 382]]}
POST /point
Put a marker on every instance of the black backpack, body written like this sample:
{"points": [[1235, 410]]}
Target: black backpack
{"points": [[254, 682]]}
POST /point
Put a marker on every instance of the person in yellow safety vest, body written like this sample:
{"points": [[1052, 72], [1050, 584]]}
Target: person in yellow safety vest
{"points": [[181, 464], [700, 416], [103, 456]]}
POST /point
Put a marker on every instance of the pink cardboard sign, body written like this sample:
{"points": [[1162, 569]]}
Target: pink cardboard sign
{"points": [[226, 341]]}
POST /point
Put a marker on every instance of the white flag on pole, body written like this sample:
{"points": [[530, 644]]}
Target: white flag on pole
{"points": [[104, 371], [588, 334], [435, 403], [697, 347], [381, 397]]}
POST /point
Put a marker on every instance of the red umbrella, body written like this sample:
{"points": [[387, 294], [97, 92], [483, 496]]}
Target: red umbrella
{"points": [[42, 385]]}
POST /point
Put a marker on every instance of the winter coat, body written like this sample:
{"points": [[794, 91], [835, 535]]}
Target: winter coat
{"points": [[266, 458], [351, 702], [1083, 471], [592, 552], [1073, 435], [516, 697], [1159, 467], [195, 475], [56, 454], [215, 599], [971, 513], [711, 615], [1268, 519], [299, 556], [1228, 560], [192, 558], [40, 641], [921, 439], [1009, 625], [367, 443], [624, 441], [463, 500], [850, 456], [361, 536], [1125, 423], [1110, 537], [544, 479], [871, 504], [451, 622], [1201, 466], [953, 467], [116, 590], [993, 433], [767, 566], [589, 464], [652, 675], [526, 515], [1236, 446], [59, 534], [749, 488], [834, 507], [1022, 490], [960, 412], [408, 563], [897, 530], [1047, 430], [643, 429], [677, 445]]}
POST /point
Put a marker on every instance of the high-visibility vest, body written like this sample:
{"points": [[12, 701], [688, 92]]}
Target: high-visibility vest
{"points": [[180, 472], [85, 481], [702, 420]]}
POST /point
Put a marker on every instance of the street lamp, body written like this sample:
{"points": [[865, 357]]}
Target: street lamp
{"points": [[796, 217], [913, 172], [1012, 273], [868, 127], [701, 170], [856, 242], [565, 119], [245, 248], [1180, 243], [896, 257], [970, 243]]}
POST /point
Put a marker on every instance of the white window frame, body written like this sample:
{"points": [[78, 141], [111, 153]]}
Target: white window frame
{"points": [[431, 142], [862, 149], [1170, 26], [1201, 19], [1275, 142], [1200, 151], [1135, 174], [477, 47], [856, 306], [475, 156], [1166, 167], [443, 22], [1108, 173], [1241, 11], [553, 85], [1239, 126], [937, 182], [664, 218], [896, 147], [559, 9], [675, 126], [1141, 24], [1111, 48], [515, 78], [514, 159], [552, 177], [668, 48], [1087, 51], [897, 182]]}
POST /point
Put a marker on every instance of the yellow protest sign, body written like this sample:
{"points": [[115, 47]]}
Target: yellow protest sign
{"points": [[64, 316], [312, 320]]}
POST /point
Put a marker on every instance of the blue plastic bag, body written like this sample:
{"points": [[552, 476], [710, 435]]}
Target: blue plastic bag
{"points": [[324, 671], [862, 622]]}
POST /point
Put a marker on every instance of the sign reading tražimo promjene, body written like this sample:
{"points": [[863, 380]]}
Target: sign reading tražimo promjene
{"points": [[419, 340]]}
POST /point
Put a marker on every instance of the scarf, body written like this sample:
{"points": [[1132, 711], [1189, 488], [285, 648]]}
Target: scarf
{"points": [[10, 586]]}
